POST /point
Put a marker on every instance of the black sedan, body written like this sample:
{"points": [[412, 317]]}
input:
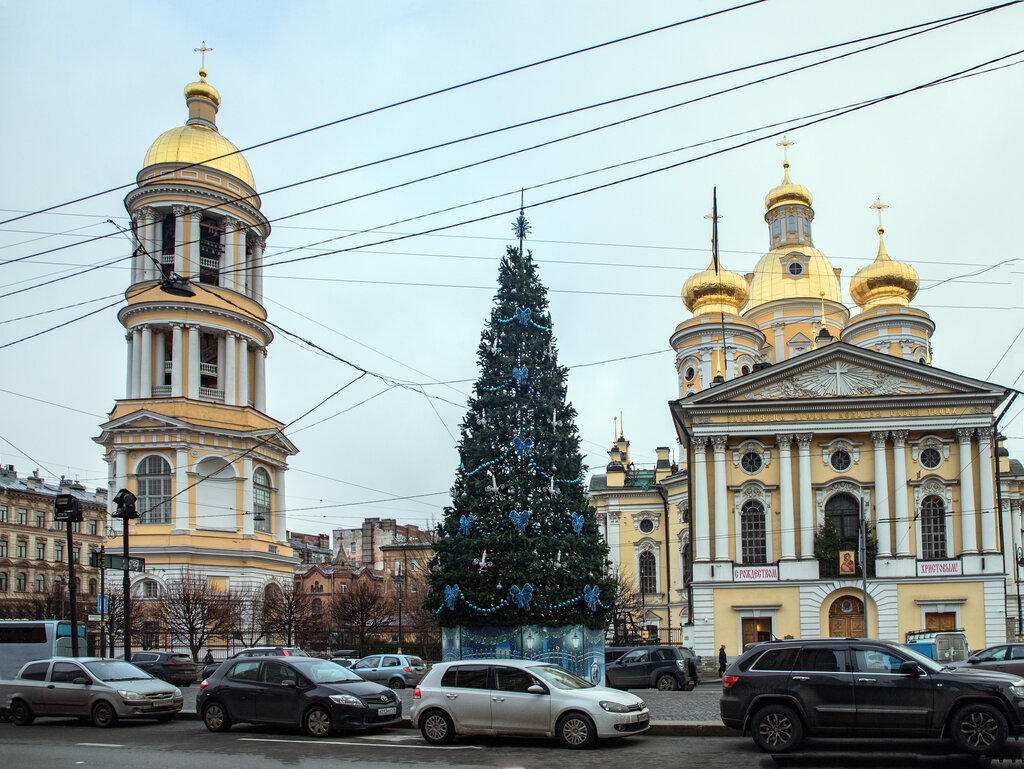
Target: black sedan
{"points": [[315, 695]]}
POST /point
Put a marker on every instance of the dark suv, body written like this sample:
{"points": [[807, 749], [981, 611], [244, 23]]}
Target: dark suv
{"points": [[782, 691], [667, 668], [177, 669], [256, 651]]}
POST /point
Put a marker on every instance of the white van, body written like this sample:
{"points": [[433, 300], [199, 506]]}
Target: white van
{"points": [[23, 641]]}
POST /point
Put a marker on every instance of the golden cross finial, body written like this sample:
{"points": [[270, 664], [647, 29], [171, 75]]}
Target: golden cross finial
{"points": [[785, 144], [879, 206], [202, 52], [712, 215]]}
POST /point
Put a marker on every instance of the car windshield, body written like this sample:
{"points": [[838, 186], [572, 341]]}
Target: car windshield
{"points": [[560, 678], [925, 662], [324, 671], [116, 670]]}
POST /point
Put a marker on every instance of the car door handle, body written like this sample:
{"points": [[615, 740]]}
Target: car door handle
{"points": [[498, 699], [452, 696], [51, 686], [865, 680], [801, 678]]}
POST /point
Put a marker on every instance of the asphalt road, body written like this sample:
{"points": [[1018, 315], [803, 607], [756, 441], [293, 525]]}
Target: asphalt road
{"points": [[188, 745]]}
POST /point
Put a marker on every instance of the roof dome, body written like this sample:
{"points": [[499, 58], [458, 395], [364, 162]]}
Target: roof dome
{"points": [[709, 292], [198, 142], [777, 276], [787, 192], [884, 282]]}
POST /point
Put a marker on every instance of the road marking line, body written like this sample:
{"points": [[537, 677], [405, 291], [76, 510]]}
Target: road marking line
{"points": [[99, 745], [362, 744]]}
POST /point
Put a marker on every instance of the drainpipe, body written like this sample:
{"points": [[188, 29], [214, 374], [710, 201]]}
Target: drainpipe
{"points": [[668, 563]]}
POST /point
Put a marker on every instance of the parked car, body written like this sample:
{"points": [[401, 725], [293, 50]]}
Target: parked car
{"points": [[255, 651], [943, 646], [103, 690], [313, 694], [667, 668], [178, 669], [782, 691], [395, 670], [521, 697], [345, 657], [1007, 658]]}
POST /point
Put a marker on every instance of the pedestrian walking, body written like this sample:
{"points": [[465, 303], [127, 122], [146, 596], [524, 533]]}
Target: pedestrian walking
{"points": [[723, 661], [208, 658]]}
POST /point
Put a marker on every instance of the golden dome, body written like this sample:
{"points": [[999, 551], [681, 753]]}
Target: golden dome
{"points": [[202, 89], [776, 276], [787, 192], [884, 282], [707, 292]]}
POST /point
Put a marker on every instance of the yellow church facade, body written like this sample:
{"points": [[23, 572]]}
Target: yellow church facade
{"points": [[191, 437]]}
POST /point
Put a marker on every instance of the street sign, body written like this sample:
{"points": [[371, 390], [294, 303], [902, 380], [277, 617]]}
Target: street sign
{"points": [[118, 562], [93, 618], [102, 603]]}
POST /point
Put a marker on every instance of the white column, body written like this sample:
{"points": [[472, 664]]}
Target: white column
{"points": [[136, 362], [138, 240], [221, 365], [120, 474], [180, 504], [986, 481], [159, 357], [261, 379], [176, 360], [883, 518], [130, 367], [612, 538], [786, 498], [279, 508], [803, 442], [154, 243], [899, 489], [230, 380], [968, 529], [180, 237], [243, 372], [229, 266], [257, 269], [701, 529], [146, 374], [193, 220], [193, 362], [721, 498], [247, 509]]}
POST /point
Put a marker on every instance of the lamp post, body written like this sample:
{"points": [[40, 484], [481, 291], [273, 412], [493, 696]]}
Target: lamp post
{"points": [[68, 508], [125, 502], [1016, 580], [398, 588]]}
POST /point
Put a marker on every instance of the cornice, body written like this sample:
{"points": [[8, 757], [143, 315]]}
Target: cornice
{"points": [[191, 310]]}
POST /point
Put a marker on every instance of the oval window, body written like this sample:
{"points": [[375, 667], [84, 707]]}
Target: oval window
{"points": [[751, 461], [796, 269], [841, 460], [646, 525], [931, 458]]}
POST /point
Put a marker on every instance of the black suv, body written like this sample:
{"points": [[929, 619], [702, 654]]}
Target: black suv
{"points": [[256, 651], [667, 668], [782, 691], [177, 669]]}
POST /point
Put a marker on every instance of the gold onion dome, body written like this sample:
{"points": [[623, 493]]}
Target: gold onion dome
{"points": [[787, 192], [709, 292], [198, 142], [884, 282]]}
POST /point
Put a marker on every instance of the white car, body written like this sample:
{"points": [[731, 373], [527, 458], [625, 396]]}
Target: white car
{"points": [[521, 697]]}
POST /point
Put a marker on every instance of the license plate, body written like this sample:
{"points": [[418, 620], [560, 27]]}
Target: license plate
{"points": [[643, 718], [387, 711]]}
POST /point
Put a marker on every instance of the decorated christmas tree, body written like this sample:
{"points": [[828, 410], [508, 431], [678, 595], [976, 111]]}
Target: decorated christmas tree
{"points": [[520, 565]]}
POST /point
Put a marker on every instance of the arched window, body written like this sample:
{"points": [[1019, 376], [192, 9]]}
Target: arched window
{"points": [[40, 583], [753, 534], [92, 587], [21, 582], [807, 227], [776, 229], [3, 581], [648, 573], [844, 510], [211, 249], [153, 483], [790, 227], [261, 500], [933, 528]]}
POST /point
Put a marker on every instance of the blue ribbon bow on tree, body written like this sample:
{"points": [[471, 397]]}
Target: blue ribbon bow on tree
{"points": [[522, 445], [522, 598], [520, 519], [450, 593], [466, 523], [520, 374], [590, 596], [523, 315], [577, 523]]}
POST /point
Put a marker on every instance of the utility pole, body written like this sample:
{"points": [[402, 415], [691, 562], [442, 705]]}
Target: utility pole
{"points": [[125, 502], [68, 508], [103, 601], [864, 561]]}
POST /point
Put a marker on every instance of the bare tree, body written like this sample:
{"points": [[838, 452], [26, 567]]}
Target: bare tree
{"points": [[192, 612], [288, 612], [362, 611], [248, 612], [626, 612]]}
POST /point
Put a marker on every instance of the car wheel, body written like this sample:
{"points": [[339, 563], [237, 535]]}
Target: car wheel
{"points": [[437, 727], [21, 713], [216, 717], [576, 730], [103, 715], [979, 728], [396, 683], [317, 722], [666, 683], [776, 729]]}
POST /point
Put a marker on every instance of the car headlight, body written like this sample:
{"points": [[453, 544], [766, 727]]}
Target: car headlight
{"points": [[1018, 690], [614, 707], [346, 699], [130, 695]]}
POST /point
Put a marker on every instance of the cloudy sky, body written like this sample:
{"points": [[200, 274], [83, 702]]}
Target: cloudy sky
{"points": [[89, 86]]}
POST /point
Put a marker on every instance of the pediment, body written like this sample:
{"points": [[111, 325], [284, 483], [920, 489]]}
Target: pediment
{"points": [[144, 420]]}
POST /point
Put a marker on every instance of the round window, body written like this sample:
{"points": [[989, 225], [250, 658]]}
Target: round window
{"points": [[841, 459], [689, 374], [751, 462], [796, 269], [931, 458], [646, 525], [745, 370]]}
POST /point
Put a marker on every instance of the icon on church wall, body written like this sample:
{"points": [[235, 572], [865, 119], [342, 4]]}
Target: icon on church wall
{"points": [[847, 565]]}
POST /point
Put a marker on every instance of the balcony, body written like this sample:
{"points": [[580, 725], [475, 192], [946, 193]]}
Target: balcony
{"points": [[211, 394], [208, 369], [161, 391]]}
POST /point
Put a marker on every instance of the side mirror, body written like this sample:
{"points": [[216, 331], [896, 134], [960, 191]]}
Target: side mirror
{"points": [[81, 681], [536, 689], [973, 660], [289, 684], [910, 668]]}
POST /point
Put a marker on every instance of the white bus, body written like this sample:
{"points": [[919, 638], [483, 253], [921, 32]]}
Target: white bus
{"points": [[22, 641]]}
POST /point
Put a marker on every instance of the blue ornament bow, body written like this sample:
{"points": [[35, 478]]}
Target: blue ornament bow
{"points": [[520, 374], [590, 596], [522, 598], [466, 523], [577, 523], [450, 593], [523, 315], [520, 519], [522, 446]]}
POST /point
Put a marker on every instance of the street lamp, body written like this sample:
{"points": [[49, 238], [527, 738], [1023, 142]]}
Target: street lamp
{"points": [[1016, 580], [125, 502], [398, 588]]}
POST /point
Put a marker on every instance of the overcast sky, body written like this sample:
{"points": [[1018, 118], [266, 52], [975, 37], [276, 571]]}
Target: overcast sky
{"points": [[89, 86]]}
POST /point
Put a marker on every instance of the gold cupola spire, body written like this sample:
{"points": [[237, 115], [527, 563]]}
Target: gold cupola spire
{"points": [[883, 283], [715, 291], [202, 98], [787, 192]]}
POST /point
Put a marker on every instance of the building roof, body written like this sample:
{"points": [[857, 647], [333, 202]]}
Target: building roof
{"points": [[34, 484]]}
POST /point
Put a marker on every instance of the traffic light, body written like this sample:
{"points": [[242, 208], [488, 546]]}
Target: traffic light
{"points": [[125, 502], [68, 508]]}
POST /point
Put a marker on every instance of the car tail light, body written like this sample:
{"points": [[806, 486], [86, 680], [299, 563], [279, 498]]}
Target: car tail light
{"points": [[416, 693], [728, 681], [407, 669], [204, 684]]}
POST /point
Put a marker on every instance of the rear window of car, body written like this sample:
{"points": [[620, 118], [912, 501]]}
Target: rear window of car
{"points": [[816, 659], [663, 654], [416, 662], [143, 657], [246, 670], [179, 658], [391, 662], [35, 671], [776, 659], [466, 677]]}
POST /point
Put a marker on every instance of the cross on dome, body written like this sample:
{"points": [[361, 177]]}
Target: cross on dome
{"points": [[202, 52], [879, 206], [785, 144]]}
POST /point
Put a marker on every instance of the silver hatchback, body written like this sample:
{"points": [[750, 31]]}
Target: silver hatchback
{"points": [[395, 671]]}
